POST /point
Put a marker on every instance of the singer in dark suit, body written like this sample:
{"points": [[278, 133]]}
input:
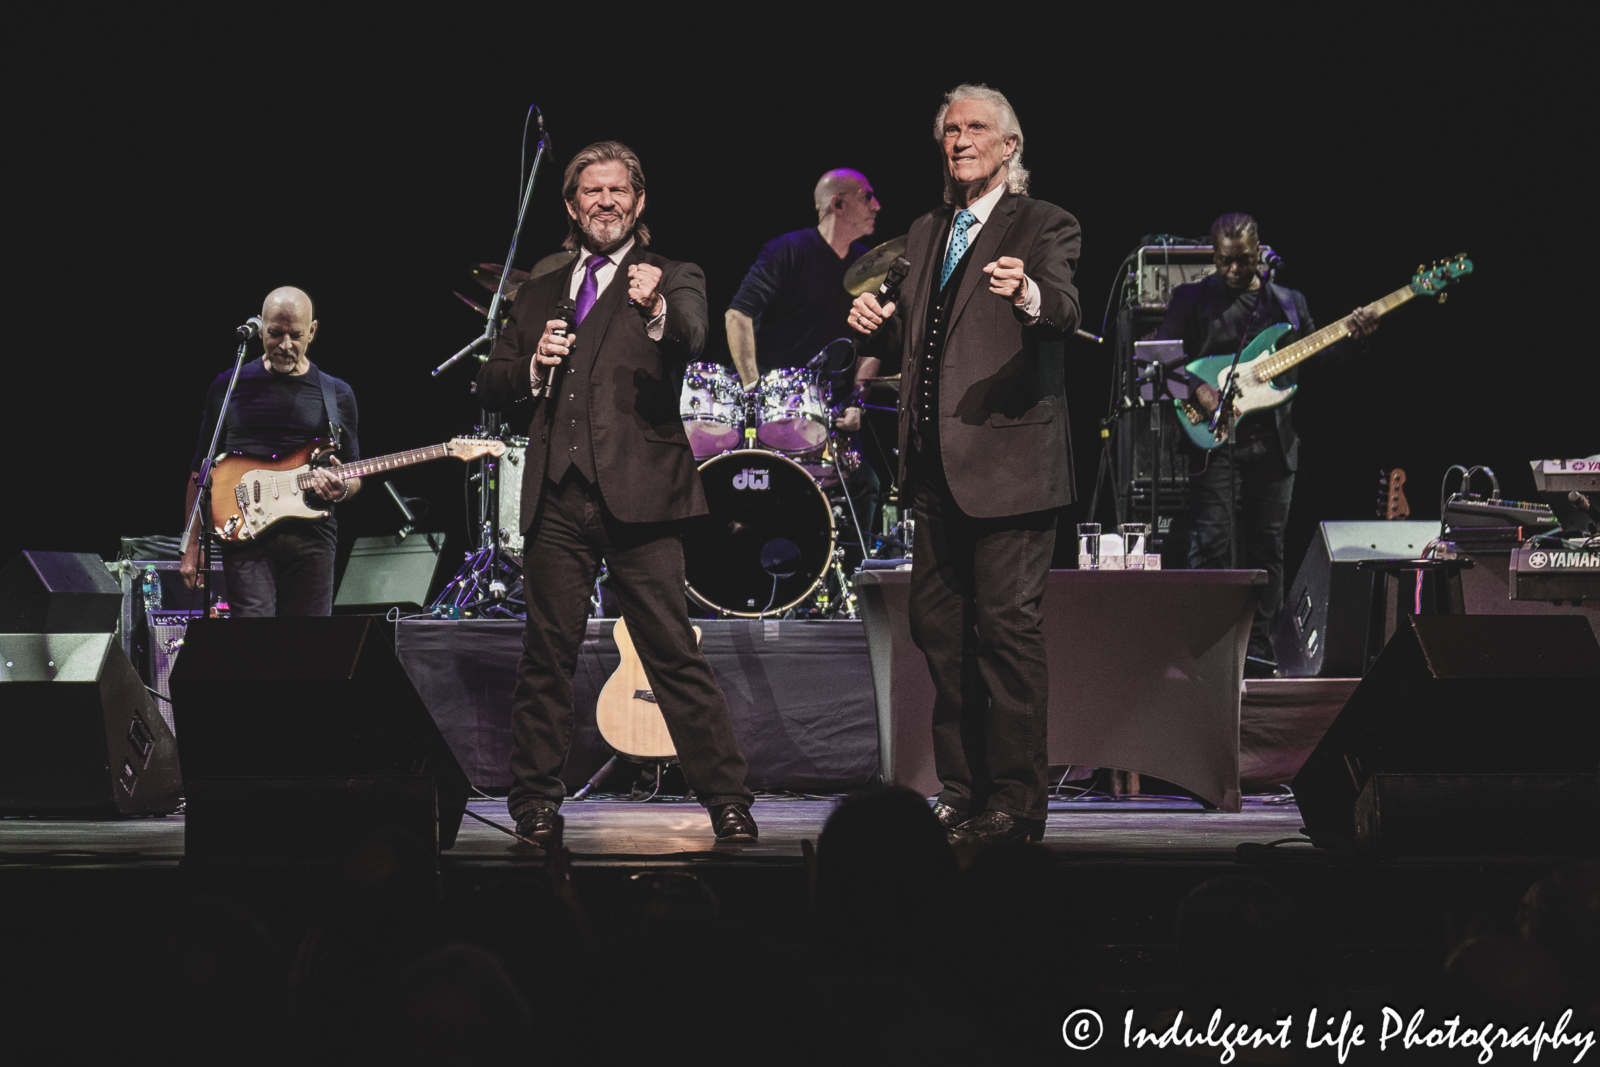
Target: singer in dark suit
{"points": [[984, 312], [609, 475]]}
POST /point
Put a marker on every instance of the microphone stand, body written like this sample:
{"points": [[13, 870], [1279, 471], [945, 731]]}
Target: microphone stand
{"points": [[202, 496], [482, 579], [1223, 416]]}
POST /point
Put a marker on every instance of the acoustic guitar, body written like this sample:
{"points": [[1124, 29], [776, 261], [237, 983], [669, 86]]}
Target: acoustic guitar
{"points": [[627, 714], [250, 493]]}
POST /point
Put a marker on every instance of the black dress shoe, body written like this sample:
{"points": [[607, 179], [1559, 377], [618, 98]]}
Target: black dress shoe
{"points": [[732, 822], [949, 817], [539, 824], [998, 826]]}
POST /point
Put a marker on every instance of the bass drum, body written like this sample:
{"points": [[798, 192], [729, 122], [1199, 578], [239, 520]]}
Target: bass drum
{"points": [[768, 541]]}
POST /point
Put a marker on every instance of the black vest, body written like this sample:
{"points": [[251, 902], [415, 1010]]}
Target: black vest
{"points": [[570, 440], [925, 405]]}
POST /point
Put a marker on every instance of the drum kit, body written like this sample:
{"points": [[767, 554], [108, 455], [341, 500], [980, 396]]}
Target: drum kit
{"points": [[774, 474]]}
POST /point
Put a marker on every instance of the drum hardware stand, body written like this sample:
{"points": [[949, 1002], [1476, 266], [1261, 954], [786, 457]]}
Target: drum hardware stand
{"points": [[202, 496], [489, 579]]}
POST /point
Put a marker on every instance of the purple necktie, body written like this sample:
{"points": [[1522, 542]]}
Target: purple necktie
{"points": [[589, 291]]}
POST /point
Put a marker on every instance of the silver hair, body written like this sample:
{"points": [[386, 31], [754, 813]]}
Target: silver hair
{"points": [[1016, 174], [832, 184]]}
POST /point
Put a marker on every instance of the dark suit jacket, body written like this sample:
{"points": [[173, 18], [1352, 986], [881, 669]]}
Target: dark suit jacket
{"points": [[1002, 405], [646, 470]]}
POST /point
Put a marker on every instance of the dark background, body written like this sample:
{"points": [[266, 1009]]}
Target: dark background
{"points": [[165, 176]]}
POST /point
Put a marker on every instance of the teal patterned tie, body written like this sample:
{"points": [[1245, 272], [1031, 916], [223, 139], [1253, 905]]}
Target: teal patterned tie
{"points": [[958, 244]]}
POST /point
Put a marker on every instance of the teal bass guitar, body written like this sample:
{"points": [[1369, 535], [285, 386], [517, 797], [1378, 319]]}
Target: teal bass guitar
{"points": [[1262, 361]]}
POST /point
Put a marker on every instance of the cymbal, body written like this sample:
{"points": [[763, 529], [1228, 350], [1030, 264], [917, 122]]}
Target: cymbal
{"points": [[488, 274], [868, 272], [553, 262], [883, 378]]}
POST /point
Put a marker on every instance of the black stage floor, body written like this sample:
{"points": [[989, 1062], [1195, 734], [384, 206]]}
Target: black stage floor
{"points": [[1145, 829]]}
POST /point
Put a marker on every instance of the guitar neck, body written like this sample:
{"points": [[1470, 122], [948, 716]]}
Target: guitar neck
{"points": [[362, 467], [1271, 366]]}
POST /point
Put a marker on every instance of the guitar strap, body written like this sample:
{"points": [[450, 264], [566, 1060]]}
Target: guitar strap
{"points": [[330, 408]]}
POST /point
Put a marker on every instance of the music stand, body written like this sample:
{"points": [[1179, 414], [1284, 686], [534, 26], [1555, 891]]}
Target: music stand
{"points": [[1161, 379]]}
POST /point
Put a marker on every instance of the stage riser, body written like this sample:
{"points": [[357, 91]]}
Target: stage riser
{"points": [[800, 695]]}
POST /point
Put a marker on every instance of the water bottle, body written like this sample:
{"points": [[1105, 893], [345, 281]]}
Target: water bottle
{"points": [[152, 590]]}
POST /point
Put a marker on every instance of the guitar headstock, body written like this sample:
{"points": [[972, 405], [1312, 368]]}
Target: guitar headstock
{"points": [[1434, 280], [1392, 503], [472, 447]]}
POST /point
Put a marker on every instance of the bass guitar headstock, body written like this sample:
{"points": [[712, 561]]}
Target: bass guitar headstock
{"points": [[1434, 280], [472, 447], [1392, 503]]}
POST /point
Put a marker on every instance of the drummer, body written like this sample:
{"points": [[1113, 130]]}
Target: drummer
{"points": [[793, 300]]}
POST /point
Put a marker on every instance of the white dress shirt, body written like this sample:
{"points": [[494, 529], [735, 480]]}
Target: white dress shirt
{"points": [[982, 209], [655, 328]]}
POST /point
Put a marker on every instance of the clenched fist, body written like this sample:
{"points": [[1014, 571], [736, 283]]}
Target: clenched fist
{"points": [[642, 282]]}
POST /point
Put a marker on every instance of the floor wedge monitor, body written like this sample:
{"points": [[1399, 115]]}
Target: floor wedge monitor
{"points": [[306, 698], [79, 733], [1459, 695]]}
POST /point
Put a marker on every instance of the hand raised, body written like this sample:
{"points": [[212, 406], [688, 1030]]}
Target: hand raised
{"points": [[643, 279], [1006, 278]]}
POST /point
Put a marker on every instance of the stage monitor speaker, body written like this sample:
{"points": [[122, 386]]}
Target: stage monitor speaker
{"points": [[1401, 816], [382, 574], [307, 697], [1459, 695], [79, 733], [58, 593], [1322, 629]]}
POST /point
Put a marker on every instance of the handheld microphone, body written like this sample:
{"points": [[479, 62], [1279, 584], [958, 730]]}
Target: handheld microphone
{"points": [[567, 312], [889, 291], [251, 328]]}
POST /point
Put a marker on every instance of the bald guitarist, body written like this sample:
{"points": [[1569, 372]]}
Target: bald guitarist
{"points": [[1219, 315], [281, 402]]}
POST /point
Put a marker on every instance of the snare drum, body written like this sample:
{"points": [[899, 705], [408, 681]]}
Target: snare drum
{"points": [[711, 408], [768, 540], [794, 420]]}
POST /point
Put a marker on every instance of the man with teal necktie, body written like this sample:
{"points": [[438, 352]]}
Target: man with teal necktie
{"points": [[986, 307]]}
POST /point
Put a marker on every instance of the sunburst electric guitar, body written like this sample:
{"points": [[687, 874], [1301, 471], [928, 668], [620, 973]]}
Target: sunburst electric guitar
{"points": [[250, 493], [1262, 360]]}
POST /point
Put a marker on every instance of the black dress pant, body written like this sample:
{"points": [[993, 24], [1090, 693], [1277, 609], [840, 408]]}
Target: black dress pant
{"points": [[1254, 475], [977, 610], [288, 570], [573, 533]]}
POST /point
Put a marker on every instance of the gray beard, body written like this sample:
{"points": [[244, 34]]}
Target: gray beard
{"points": [[603, 236]]}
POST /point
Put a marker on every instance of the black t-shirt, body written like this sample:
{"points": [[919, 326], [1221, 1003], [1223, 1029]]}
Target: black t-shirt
{"points": [[795, 293], [275, 413]]}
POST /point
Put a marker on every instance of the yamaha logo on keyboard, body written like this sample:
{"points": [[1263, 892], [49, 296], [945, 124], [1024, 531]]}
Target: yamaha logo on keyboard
{"points": [[1543, 560]]}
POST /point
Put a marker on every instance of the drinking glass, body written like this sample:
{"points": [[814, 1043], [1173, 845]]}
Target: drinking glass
{"points": [[1134, 535], [1088, 546]]}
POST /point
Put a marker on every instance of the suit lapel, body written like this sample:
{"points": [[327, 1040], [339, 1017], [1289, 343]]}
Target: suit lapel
{"points": [[983, 252]]}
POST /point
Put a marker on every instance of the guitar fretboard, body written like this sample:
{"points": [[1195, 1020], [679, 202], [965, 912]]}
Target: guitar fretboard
{"points": [[1269, 367], [362, 467]]}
